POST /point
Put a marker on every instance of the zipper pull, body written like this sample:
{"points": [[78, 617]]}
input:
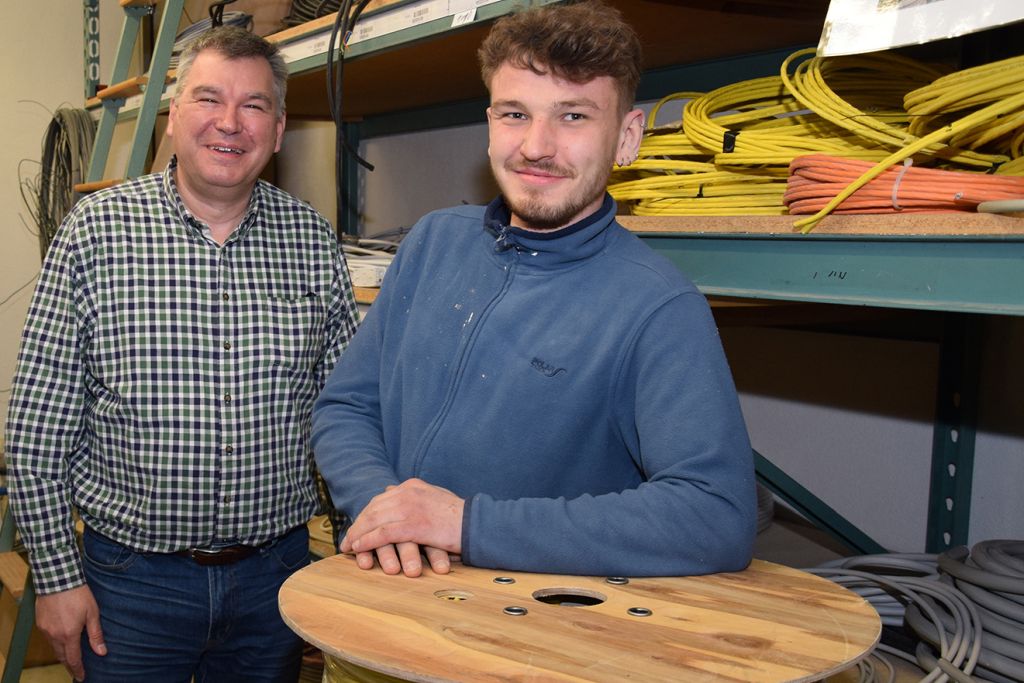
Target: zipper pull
{"points": [[504, 241]]}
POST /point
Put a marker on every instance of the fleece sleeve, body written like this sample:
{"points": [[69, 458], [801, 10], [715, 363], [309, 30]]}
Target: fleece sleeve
{"points": [[347, 425], [695, 511]]}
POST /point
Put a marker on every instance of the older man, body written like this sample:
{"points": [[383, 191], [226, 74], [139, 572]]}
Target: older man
{"points": [[182, 327]]}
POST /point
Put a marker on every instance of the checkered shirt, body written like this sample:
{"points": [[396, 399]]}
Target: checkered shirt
{"points": [[165, 382]]}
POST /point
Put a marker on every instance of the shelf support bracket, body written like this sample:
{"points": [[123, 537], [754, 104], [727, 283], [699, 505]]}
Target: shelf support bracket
{"points": [[813, 508]]}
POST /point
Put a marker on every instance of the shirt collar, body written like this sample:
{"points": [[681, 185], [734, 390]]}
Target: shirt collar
{"points": [[189, 219]]}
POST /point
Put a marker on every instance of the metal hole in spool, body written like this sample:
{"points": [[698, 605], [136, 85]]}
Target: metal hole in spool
{"points": [[569, 597], [639, 612], [504, 580], [617, 580], [453, 595], [515, 611]]}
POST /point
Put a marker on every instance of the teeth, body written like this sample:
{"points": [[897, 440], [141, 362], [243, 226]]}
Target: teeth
{"points": [[225, 149]]}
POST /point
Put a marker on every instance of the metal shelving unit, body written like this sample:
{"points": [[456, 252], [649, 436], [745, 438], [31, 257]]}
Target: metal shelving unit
{"points": [[424, 75]]}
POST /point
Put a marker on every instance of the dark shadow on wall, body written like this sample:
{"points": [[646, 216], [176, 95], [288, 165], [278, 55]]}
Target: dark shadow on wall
{"points": [[870, 361]]}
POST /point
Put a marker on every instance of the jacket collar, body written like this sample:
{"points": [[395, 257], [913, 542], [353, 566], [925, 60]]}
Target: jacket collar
{"points": [[564, 246]]}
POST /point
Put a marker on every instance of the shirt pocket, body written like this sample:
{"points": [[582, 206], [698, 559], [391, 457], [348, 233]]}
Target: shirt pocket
{"points": [[293, 330]]}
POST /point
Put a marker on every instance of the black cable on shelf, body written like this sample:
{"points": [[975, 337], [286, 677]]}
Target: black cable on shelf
{"points": [[340, 32], [218, 17], [303, 11], [217, 12]]}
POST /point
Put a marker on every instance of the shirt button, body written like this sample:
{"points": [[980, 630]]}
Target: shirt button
{"points": [[227, 398], [227, 499], [226, 296], [227, 346], [229, 450]]}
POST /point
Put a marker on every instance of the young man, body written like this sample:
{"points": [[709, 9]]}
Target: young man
{"points": [[535, 389], [182, 327]]}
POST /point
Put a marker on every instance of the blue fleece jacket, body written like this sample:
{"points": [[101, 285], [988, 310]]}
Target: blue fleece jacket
{"points": [[571, 387]]}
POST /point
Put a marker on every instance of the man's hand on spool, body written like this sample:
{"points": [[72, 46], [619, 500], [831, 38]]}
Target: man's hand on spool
{"points": [[403, 521]]}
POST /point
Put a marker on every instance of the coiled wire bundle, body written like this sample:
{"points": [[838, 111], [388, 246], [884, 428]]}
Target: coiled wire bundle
{"points": [[308, 10], [674, 176], [881, 108], [938, 104], [969, 119], [815, 179], [991, 575], [964, 608], [190, 33], [67, 147], [752, 130]]}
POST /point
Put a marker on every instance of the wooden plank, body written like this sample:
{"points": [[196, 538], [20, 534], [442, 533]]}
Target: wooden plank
{"points": [[767, 623], [13, 573], [86, 188], [126, 88], [889, 224], [366, 295]]}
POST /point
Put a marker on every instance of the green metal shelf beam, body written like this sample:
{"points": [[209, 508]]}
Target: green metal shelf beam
{"points": [[959, 274]]}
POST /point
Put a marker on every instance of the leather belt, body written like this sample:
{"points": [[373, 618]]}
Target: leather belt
{"points": [[207, 557]]}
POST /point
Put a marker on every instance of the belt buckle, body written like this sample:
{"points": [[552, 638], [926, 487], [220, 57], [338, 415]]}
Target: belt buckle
{"points": [[200, 554], [214, 556]]}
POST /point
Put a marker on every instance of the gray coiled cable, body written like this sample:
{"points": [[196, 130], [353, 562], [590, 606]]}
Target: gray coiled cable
{"points": [[67, 146], [965, 607]]}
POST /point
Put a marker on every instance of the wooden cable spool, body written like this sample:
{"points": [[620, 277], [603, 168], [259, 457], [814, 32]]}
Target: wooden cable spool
{"points": [[766, 623]]}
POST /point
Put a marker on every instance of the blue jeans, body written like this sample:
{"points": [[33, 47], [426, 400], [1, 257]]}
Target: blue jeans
{"points": [[166, 619]]}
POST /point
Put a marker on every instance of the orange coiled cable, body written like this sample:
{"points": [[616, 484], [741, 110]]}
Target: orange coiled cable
{"points": [[817, 179]]}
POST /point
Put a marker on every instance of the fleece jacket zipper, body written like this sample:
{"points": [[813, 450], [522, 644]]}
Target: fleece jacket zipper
{"points": [[463, 356]]}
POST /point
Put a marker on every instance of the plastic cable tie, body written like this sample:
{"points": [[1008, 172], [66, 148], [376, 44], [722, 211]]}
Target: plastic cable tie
{"points": [[729, 141], [994, 167], [907, 163]]}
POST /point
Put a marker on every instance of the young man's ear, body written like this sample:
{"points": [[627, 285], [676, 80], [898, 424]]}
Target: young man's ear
{"points": [[630, 137]]}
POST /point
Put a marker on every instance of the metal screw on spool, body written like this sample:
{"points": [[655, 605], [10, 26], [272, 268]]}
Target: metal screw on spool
{"points": [[504, 580], [515, 611], [639, 612], [617, 580]]}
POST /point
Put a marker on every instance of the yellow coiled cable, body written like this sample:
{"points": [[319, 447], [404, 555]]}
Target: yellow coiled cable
{"points": [[931, 106], [879, 107], [977, 119], [672, 176]]}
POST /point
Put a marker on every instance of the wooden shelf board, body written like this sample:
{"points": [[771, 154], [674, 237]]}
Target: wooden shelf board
{"points": [[366, 295], [958, 224]]}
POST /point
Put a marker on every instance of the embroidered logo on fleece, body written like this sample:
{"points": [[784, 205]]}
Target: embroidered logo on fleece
{"points": [[546, 369]]}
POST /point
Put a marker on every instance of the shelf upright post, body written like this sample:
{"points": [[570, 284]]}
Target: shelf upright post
{"points": [[949, 506], [348, 215], [91, 29], [158, 67]]}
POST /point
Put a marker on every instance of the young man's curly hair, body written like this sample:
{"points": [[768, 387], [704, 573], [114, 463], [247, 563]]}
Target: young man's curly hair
{"points": [[577, 42]]}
